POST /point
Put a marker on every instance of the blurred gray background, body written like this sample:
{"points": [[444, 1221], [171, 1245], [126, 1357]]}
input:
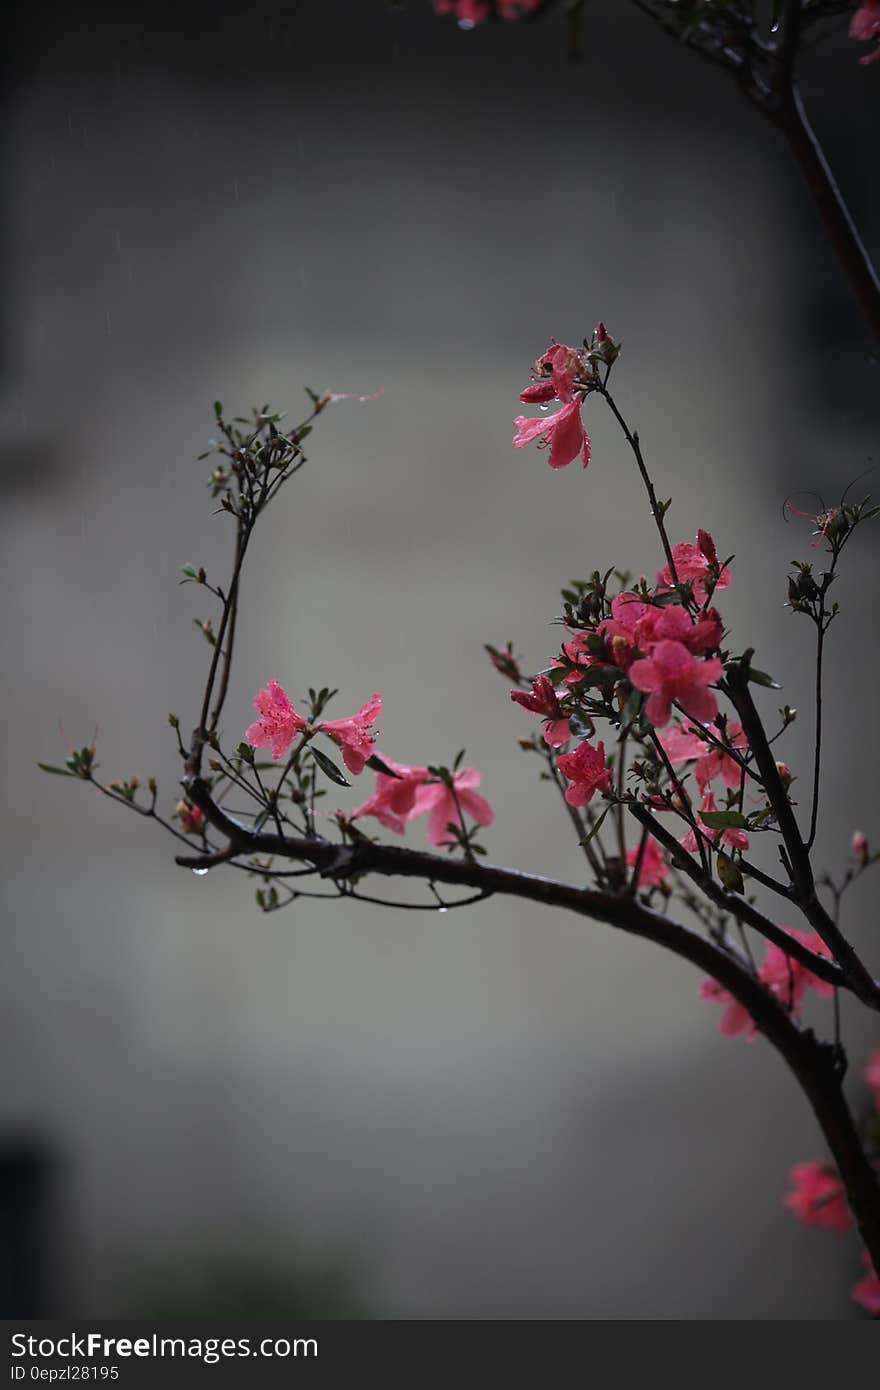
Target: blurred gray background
{"points": [[497, 1113]]}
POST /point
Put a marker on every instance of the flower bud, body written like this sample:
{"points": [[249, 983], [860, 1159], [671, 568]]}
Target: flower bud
{"points": [[860, 847], [786, 776]]}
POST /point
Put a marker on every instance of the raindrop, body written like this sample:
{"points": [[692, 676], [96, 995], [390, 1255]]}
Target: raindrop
{"points": [[200, 873], [442, 909], [467, 24], [544, 407]]}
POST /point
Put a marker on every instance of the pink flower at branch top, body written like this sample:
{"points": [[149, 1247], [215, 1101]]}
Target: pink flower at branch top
{"points": [[672, 673], [393, 799], [586, 771], [653, 869], [542, 699], [736, 1018], [866, 1291], [563, 432], [438, 801], [352, 736], [693, 562], [865, 26], [817, 1196], [278, 724], [872, 1076]]}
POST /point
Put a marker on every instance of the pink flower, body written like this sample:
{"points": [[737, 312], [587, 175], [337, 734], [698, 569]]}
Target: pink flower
{"points": [[866, 1291], [693, 562], [865, 26], [860, 847], [783, 976], [872, 1076], [555, 373], [787, 979], [542, 699], [817, 1196], [564, 433], [586, 771], [736, 1019], [438, 801], [393, 799], [653, 869], [733, 836], [279, 722], [681, 745], [672, 673], [716, 763], [352, 736]]}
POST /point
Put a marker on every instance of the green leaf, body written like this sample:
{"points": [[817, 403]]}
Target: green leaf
{"points": [[329, 768], [245, 752], [190, 571], [57, 771], [761, 678], [729, 873], [377, 765], [218, 409], [724, 820], [597, 826]]}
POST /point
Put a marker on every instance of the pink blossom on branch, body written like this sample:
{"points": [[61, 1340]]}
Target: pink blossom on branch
{"points": [[563, 433], [670, 674], [393, 800], [586, 771], [542, 699], [817, 1196], [865, 27], [786, 978], [653, 870], [736, 1018], [437, 799], [414, 791], [866, 1291], [696, 563], [278, 724], [352, 734]]}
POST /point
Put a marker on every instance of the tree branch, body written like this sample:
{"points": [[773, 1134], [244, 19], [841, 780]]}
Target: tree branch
{"points": [[815, 1064]]}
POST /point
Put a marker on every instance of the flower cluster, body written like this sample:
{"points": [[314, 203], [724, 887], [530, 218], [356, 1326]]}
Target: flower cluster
{"points": [[279, 724], [402, 792]]}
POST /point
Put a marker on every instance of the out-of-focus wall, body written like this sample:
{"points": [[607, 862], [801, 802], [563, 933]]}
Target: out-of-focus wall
{"points": [[501, 1112]]}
